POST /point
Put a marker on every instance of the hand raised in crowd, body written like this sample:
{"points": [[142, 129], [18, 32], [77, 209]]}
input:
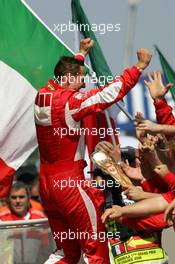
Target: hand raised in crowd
{"points": [[150, 142], [149, 151], [113, 213], [156, 87], [132, 173], [145, 169], [143, 126], [140, 133], [161, 169], [144, 57], [149, 126], [165, 150], [86, 45], [135, 193], [169, 215], [163, 143], [112, 151]]}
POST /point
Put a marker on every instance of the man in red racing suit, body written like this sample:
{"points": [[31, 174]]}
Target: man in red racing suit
{"points": [[73, 209]]}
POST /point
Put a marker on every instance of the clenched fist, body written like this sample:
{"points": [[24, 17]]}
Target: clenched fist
{"points": [[86, 45], [144, 57]]}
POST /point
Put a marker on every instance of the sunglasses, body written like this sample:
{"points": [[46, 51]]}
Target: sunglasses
{"points": [[17, 196]]}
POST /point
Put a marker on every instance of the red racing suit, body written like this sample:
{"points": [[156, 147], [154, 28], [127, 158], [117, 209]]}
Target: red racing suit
{"points": [[74, 211], [164, 113]]}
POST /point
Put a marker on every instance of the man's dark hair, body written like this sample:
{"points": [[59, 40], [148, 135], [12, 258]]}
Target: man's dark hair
{"points": [[67, 64], [20, 185]]}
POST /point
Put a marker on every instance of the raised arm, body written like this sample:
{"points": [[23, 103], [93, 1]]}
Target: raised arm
{"points": [[149, 126], [139, 209], [158, 91], [97, 100], [85, 46]]}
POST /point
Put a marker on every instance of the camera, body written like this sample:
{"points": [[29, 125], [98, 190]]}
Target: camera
{"points": [[128, 153]]}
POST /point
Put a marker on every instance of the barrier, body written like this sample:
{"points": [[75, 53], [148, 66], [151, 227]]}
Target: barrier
{"points": [[25, 242]]}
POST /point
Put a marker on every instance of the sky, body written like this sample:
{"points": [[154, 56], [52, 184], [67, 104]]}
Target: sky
{"points": [[154, 24]]}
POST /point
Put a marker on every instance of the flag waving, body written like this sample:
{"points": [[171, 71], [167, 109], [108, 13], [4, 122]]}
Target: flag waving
{"points": [[28, 54], [98, 61], [168, 71], [103, 72]]}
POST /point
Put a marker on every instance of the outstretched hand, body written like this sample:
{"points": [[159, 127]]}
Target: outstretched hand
{"points": [[131, 172], [156, 87], [140, 134], [112, 151], [134, 193], [149, 151], [113, 213], [161, 170], [149, 126]]}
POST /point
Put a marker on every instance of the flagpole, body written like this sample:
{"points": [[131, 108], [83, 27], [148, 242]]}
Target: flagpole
{"points": [[125, 111], [110, 126], [133, 5]]}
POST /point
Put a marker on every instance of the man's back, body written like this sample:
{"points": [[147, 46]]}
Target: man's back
{"points": [[53, 132]]}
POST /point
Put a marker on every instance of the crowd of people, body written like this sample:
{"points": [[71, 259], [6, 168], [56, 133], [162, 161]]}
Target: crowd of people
{"points": [[136, 213]]}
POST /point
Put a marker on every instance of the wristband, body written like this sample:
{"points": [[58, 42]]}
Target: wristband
{"points": [[79, 56], [139, 69]]}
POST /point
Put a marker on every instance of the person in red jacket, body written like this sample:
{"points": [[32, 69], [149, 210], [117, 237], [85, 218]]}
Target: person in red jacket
{"points": [[142, 209], [19, 205], [145, 243], [164, 115], [59, 110]]}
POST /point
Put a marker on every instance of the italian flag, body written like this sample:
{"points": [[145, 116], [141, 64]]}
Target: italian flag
{"points": [[28, 54]]}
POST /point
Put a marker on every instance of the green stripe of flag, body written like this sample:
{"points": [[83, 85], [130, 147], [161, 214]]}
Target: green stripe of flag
{"points": [[98, 61], [167, 70], [26, 44]]}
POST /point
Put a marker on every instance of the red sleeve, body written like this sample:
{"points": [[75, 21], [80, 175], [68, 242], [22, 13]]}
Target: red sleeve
{"points": [[6, 179], [155, 185], [79, 56], [151, 223], [146, 186], [164, 113], [169, 179], [169, 196], [96, 100]]}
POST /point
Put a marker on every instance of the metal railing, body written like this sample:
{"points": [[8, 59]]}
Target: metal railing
{"points": [[25, 242]]}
